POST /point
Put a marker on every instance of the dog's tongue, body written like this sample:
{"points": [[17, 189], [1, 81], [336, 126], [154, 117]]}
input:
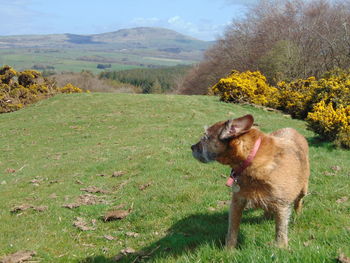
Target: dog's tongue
{"points": [[229, 182]]}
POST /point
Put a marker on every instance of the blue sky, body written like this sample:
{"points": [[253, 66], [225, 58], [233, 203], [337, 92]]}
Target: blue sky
{"points": [[203, 19]]}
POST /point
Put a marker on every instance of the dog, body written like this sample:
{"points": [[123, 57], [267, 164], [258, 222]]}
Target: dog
{"points": [[269, 171]]}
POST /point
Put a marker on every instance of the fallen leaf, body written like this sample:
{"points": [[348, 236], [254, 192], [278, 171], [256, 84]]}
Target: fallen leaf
{"points": [[144, 186], [54, 182], [343, 259], [53, 195], [336, 168], [108, 237], [116, 214], [118, 173], [78, 182], [211, 209], [132, 234], [20, 208], [71, 206], [36, 181], [128, 250], [89, 199], [329, 173], [3, 182], [342, 200], [81, 224], [94, 189], [10, 170], [19, 256], [41, 208], [85, 199], [307, 243], [121, 185], [88, 245]]}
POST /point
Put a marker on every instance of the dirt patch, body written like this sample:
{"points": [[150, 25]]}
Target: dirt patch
{"points": [[116, 215], [94, 189], [81, 224], [144, 186], [24, 207], [19, 256], [85, 199]]}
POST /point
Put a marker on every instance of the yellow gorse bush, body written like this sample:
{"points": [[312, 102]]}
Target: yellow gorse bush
{"points": [[18, 89], [333, 124], [250, 87], [325, 103], [296, 97], [69, 88]]}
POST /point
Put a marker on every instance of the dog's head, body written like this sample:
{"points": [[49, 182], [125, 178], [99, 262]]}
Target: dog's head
{"points": [[216, 138]]}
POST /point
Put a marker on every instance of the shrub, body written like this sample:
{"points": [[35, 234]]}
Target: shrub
{"points": [[18, 89], [325, 103], [69, 88], [296, 96], [250, 87], [330, 123]]}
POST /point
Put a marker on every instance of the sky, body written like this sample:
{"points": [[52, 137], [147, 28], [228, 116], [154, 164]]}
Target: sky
{"points": [[202, 19]]}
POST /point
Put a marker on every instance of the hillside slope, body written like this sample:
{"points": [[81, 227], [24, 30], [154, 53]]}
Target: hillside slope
{"points": [[140, 37], [123, 49], [53, 150]]}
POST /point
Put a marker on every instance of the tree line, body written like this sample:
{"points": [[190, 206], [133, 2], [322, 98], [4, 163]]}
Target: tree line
{"points": [[155, 80], [283, 39]]}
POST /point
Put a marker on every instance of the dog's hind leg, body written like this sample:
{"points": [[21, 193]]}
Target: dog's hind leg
{"points": [[236, 209], [298, 203], [282, 218]]}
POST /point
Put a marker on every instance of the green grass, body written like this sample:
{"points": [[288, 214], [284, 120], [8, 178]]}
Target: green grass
{"points": [[75, 137], [72, 60]]}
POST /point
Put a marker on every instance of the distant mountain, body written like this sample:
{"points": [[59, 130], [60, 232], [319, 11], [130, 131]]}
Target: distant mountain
{"points": [[123, 49], [134, 38]]}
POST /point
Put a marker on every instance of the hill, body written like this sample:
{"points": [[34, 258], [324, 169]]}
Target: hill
{"points": [[54, 151], [141, 37], [123, 49]]}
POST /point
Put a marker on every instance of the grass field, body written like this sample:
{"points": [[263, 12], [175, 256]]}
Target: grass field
{"points": [[53, 149], [75, 60]]}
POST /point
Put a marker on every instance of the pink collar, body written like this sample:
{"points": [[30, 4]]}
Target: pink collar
{"points": [[236, 172]]}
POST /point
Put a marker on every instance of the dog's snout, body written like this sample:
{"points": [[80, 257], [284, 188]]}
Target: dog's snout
{"points": [[192, 147]]}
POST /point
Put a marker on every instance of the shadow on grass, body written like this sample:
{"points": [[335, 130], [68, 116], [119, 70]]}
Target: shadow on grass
{"points": [[185, 236], [319, 142]]}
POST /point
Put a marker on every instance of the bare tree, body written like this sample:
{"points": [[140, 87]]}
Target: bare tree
{"points": [[284, 39]]}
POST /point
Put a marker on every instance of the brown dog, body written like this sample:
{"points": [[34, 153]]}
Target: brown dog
{"points": [[272, 170]]}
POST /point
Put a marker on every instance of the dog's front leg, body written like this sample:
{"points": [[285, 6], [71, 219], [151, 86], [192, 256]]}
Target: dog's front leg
{"points": [[282, 218], [236, 209]]}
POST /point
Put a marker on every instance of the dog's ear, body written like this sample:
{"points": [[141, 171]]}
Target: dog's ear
{"points": [[236, 127]]}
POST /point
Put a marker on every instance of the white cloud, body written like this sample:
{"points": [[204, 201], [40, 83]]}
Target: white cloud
{"points": [[204, 29], [174, 19], [178, 23]]}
